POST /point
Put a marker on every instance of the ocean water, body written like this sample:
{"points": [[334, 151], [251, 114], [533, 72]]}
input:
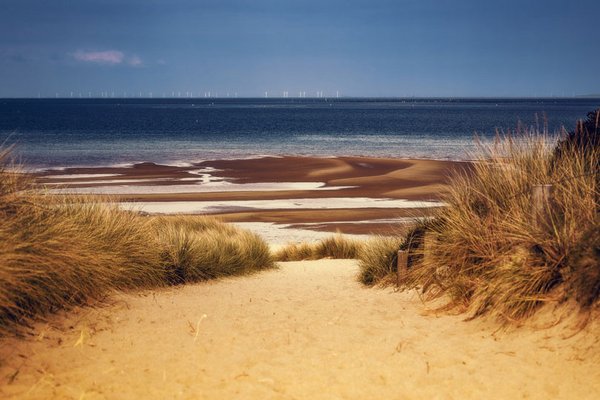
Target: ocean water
{"points": [[102, 132]]}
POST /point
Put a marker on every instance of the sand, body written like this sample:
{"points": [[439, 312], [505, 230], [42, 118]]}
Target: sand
{"points": [[343, 176], [273, 182], [306, 331]]}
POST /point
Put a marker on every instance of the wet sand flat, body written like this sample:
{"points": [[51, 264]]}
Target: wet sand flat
{"points": [[275, 179]]}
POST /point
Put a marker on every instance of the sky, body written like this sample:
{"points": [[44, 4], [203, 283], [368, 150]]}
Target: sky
{"points": [[426, 48]]}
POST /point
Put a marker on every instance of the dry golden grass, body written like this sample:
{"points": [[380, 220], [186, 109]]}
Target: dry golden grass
{"points": [[196, 248], [336, 246], [57, 251], [488, 255], [377, 260]]}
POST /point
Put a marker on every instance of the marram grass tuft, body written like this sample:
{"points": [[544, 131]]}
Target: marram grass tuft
{"points": [[335, 246], [493, 254], [57, 251]]}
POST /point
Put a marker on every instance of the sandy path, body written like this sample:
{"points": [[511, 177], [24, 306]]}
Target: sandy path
{"points": [[306, 331]]}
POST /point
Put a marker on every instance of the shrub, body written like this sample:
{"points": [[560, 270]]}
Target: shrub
{"points": [[583, 268], [378, 260], [57, 251], [584, 139], [197, 248], [337, 246], [488, 256]]}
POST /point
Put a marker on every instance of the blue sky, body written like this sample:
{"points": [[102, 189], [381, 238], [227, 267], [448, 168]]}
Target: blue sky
{"points": [[359, 48]]}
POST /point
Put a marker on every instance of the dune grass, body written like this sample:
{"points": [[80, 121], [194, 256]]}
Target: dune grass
{"points": [[196, 248], [378, 259], [58, 251], [487, 253], [376, 256], [336, 246]]}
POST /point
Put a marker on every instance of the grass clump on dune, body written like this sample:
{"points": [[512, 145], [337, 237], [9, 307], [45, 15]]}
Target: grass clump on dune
{"points": [[58, 251], [490, 256], [336, 246], [196, 248], [55, 252], [377, 260]]}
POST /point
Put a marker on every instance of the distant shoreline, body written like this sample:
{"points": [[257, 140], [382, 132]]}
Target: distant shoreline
{"points": [[291, 98], [109, 131]]}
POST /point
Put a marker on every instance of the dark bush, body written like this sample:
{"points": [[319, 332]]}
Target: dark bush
{"points": [[583, 276], [585, 138]]}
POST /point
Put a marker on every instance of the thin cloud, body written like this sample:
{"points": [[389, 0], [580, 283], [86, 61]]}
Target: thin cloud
{"points": [[110, 57], [134, 61], [107, 57]]}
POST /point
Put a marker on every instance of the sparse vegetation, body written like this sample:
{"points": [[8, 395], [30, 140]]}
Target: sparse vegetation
{"points": [[57, 251], [377, 260], [583, 268], [487, 254], [337, 246], [584, 139], [196, 248]]}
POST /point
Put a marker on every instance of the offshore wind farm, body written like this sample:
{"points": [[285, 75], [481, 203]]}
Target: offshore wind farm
{"points": [[111, 131]]}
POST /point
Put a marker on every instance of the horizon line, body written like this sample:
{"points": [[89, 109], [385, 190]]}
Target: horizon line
{"points": [[580, 96]]}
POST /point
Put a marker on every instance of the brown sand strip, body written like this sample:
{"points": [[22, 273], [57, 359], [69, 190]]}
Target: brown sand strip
{"points": [[306, 331], [368, 177], [333, 220], [144, 170], [349, 228], [298, 169], [373, 177], [299, 216]]}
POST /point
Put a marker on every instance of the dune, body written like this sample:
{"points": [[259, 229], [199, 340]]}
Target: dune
{"points": [[308, 330]]}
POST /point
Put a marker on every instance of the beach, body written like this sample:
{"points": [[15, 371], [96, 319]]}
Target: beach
{"points": [[306, 330], [297, 200], [354, 195]]}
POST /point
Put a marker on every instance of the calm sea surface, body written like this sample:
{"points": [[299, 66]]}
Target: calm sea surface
{"points": [[76, 132]]}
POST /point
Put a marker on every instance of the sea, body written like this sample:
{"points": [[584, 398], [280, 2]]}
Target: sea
{"points": [[53, 133]]}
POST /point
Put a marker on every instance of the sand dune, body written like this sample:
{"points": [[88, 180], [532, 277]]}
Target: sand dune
{"points": [[306, 331]]}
